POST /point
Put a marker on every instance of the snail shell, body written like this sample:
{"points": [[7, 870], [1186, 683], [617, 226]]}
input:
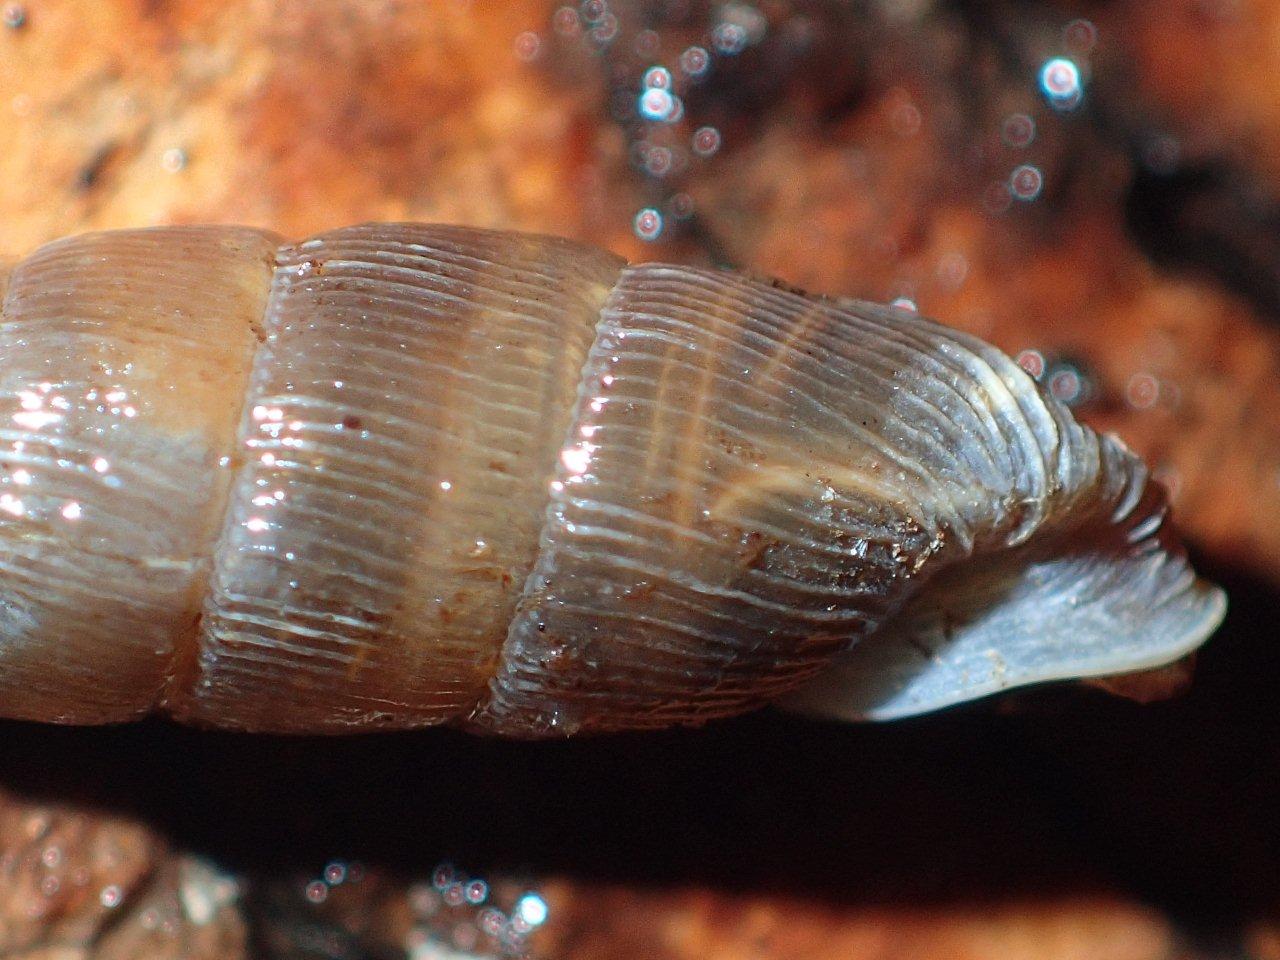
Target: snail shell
{"points": [[398, 475]]}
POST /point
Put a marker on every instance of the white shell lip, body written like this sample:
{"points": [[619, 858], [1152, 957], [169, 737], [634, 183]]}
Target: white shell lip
{"points": [[866, 684]]}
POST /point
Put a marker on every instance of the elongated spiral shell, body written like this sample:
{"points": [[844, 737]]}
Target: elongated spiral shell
{"points": [[398, 475]]}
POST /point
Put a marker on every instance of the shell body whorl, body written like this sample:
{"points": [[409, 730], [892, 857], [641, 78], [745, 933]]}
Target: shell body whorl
{"points": [[397, 475]]}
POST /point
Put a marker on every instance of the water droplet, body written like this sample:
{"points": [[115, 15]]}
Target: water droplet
{"points": [[14, 16], [528, 45], [658, 161], [173, 160], [317, 891], [1018, 130], [1142, 391], [1080, 36], [335, 872], [491, 921], [532, 910], [443, 875], [110, 896], [1060, 82], [656, 103], [1026, 182], [648, 224], [657, 78], [604, 31], [695, 61], [706, 141], [729, 38], [476, 891], [566, 22], [1032, 361], [682, 206], [647, 43], [1065, 384]]}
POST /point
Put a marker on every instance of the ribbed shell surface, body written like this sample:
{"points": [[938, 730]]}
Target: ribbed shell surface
{"points": [[396, 475], [402, 423], [122, 361]]}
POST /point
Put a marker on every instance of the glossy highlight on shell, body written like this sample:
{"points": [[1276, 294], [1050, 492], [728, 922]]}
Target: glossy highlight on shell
{"points": [[399, 475]]}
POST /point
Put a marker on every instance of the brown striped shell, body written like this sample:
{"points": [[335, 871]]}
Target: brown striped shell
{"points": [[398, 475]]}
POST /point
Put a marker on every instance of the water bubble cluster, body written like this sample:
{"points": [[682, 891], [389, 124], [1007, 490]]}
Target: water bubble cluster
{"points": [[651, 74], [458, 913], [335, 873], [740, 25], [603, 22]]}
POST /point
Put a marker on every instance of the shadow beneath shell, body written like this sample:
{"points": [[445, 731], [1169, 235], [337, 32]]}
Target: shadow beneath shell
{"points": [[1056, 791]]}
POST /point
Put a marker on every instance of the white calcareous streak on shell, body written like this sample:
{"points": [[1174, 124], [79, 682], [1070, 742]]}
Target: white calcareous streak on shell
{"points": [[397, 475]]}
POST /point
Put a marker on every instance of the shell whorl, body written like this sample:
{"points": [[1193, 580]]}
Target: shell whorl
{"points": [[397, 475]]}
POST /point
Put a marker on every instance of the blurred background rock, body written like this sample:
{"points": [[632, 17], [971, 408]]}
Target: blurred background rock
{"points": [[1093, 186]]}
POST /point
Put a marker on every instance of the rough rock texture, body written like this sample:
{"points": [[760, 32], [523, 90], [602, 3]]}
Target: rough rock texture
{"points": [[78, 883]]}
